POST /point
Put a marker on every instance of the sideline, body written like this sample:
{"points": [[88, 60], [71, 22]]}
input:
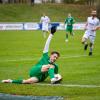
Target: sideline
{"points": [[70, 85]]}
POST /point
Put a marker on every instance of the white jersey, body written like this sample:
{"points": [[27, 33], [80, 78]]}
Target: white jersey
{"points": [[91, 24], [45, 21]]}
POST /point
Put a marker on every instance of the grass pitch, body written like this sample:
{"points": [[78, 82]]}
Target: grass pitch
{"points": [[19, 50]]}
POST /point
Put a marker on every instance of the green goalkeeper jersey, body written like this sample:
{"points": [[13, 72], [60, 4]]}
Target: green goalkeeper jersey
{"points": [[69, 21], [36, 70]]}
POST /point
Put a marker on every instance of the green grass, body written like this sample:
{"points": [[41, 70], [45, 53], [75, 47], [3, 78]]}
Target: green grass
{"points": [[28, 13], [19, 50]]}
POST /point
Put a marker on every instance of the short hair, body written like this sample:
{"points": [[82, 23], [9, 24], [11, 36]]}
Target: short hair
{"points": [[55, 52]]}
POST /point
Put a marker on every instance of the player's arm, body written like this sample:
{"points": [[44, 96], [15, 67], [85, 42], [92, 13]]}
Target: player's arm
{"points": [[97, 28], [41, 20], [46, 47], [74, 20], [48, 20], [65, 21], [85, 28]]}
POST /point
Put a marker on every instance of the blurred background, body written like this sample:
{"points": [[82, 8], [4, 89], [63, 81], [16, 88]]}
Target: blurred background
{"points": [[31, 10]]}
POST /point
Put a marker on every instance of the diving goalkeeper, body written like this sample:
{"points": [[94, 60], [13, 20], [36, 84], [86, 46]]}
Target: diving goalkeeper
{"points": [[44, 68]]}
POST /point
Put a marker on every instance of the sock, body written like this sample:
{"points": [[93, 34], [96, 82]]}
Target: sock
{"points": [[17, 81], [67, 36], [85, 46], [51, 73], [46, 47], [91, 49]]}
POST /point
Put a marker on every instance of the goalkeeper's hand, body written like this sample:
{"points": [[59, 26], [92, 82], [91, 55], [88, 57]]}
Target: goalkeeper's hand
{"points": [[53, 29]]}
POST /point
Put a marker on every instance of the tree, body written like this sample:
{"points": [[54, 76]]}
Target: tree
{"points": [[0, 1], [69, 1], [90, 2], [32, 2], [98, 8]]}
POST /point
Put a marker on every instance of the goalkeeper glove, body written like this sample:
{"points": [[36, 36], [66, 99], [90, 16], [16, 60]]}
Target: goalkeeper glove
{"points": [[53, 29]]}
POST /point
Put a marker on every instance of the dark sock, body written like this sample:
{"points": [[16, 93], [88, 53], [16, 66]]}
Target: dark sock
{"points": [[85, 46], [66, 36]]}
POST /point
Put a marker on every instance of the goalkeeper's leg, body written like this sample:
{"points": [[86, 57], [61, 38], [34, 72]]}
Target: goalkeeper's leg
{"points": [[27, 81]]}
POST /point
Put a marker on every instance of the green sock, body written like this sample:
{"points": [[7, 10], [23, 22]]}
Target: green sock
{"points": [[51, 72], [17, 81], [66, 36]]}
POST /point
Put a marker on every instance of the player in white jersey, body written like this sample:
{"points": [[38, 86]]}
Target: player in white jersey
{"points": [[45, 20], [91, 26]]}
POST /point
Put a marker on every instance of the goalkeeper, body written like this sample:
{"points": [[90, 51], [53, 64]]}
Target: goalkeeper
{"points": [[44, 68]]}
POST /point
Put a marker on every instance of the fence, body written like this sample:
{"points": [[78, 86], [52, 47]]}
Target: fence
{"points": [[37, 26]]}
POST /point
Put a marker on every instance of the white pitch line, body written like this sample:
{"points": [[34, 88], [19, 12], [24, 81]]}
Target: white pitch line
{"points": [[36, 58], [70, 85], [23, 59], [67, 85], [76, 56]]}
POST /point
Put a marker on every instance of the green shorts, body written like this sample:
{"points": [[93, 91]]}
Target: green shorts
{"points": [[69, 29], [36, 72]]}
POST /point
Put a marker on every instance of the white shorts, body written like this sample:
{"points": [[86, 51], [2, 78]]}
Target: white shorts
{"points": [[44, 27], [89, 35]]}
